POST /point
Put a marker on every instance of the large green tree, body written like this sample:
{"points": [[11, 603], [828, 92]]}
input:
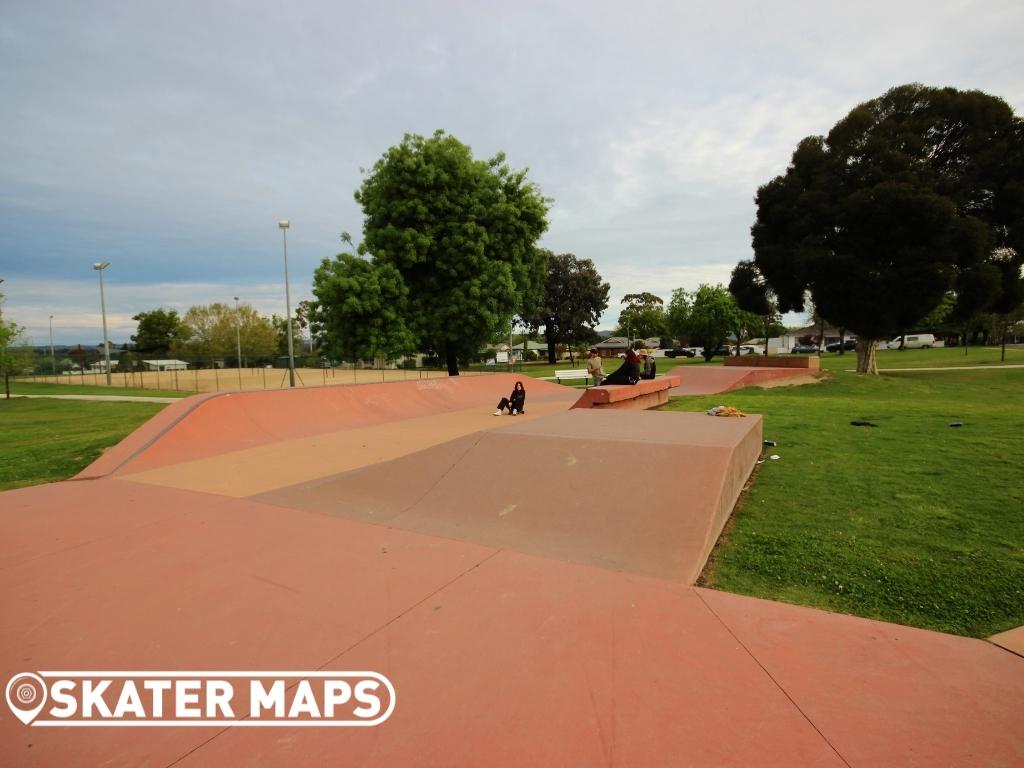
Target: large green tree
{"points": [[713, 314], [570, 303], [643, 316], [158, 329], [461, 233], [907, 197], [360, 309]]}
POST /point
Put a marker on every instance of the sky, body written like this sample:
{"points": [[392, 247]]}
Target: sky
{"points": [[169, 138]]}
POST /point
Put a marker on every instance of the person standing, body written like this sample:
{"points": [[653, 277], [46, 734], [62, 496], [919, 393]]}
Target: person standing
{"points": [[594, 367]]}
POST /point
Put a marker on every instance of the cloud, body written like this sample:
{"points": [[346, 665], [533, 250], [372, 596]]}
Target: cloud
{"points": [[77, 316]]}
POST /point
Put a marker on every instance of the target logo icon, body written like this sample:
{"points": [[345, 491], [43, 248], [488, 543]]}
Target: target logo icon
{"points": [[26, 696]]}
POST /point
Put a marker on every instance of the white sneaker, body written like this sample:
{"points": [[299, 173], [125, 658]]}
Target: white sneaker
{"points": [[514, 411], [497, 413]]}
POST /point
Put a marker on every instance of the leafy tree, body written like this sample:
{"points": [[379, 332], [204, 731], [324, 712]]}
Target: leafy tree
{"points": [[460, 233], [360, 309], [643, 316], [713, 314], [907, 197], [157, 331], [1009, 304], [571, 301], [753, 296], [677, 316], [15, 354], [280, 326], [214, 330]]}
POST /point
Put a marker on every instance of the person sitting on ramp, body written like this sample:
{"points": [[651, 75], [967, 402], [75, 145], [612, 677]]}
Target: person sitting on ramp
{"points": [[514, 402], [628, 372]]}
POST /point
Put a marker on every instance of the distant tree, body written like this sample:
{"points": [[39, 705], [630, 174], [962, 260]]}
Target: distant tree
{"points": [[907, 197], [1009, 304], [461, 234], [677, 315], [753, 296], [713, 314], [280, 326], [14, 352], [570, 303], [157, 331], [360, 309], [643, 316], [213, 331]]}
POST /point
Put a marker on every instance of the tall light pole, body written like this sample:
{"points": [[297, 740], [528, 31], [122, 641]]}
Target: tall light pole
{"points": [[99, 266], [238, 340], [283, 224], [53, 358]]}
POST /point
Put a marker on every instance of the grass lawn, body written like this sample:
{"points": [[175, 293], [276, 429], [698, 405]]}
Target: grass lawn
{"points": [[48, 440], [910, 521], [944, 357], [21, 387]]}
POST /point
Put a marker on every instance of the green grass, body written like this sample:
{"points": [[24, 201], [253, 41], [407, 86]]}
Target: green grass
{"points": [[48, 440], [22, 387], [911, 521], [943, 357]]}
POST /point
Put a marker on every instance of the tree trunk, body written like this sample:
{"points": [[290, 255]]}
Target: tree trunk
{"points": [[1006, 329], [451, 359], [866, 361], [550, 339]]}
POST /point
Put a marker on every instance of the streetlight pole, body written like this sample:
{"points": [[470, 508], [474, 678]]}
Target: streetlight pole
{"points": [[53, 358], [99, 266], [238, 340], [284, 224]]}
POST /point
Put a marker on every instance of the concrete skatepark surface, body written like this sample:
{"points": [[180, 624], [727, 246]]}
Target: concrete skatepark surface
{"points": [[524, 582]]}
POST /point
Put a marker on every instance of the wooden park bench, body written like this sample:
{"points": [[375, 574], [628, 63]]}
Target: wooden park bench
{"points": [[573, 373]]}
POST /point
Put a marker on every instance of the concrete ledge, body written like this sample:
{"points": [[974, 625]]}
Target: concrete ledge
{"points": [[776, 361], [647, 393]]}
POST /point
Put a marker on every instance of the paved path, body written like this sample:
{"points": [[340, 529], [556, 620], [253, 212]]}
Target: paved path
{"points": [[947, 368], [109, 398], [502, 652]]}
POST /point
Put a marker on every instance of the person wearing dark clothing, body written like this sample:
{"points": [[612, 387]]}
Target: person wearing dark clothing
{"points": [[628, 372], [650, 367], [515, 402]]}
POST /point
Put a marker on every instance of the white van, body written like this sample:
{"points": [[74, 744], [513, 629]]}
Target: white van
{"points": [[917, 341]]}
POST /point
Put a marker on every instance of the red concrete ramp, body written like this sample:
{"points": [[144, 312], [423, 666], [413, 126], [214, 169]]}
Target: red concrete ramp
{"points": [[693, 380], [646, 493], [212, 425]]}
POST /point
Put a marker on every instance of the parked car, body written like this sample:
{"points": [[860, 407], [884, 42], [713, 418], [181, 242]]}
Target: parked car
{"points": [[848, 344], [915, 341], [679, 352], [804, 349]]}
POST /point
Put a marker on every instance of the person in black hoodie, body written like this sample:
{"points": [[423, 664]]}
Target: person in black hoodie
{"points": [[515, 402], [628, 372]]}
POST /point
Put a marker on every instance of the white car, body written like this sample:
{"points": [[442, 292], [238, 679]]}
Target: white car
{"points": [[915, 341]]}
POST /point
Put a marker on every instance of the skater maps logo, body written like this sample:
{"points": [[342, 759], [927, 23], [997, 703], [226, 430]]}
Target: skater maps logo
{"points": [[196, 699]]}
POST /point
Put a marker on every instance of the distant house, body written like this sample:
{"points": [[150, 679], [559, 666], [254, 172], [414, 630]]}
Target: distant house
{"points": [[101, 366], [612, 346], [785, 343], [165, 365]]}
